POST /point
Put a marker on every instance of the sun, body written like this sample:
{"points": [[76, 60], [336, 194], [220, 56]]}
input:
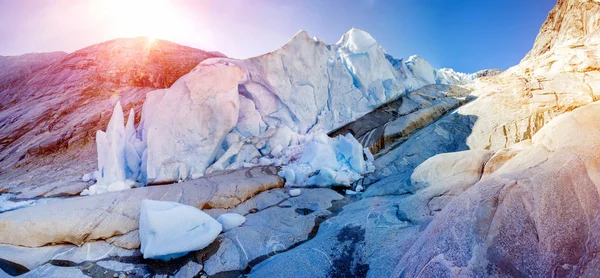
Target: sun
{"points": [[155, 19]]}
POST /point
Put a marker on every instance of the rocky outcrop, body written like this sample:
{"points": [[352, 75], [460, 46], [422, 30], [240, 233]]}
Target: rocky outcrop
{"points": [[394, 122], [84, 219], [370, 236], [537, 216]]}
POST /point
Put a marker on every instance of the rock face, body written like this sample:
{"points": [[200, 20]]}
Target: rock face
{"points": [[394, 122], [52, 114], [533, 217]]}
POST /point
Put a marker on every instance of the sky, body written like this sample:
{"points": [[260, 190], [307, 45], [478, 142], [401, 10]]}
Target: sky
{"points": [[467, 35]]}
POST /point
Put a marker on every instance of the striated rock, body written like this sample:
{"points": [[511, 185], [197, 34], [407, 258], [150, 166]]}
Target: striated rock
{"points": [[502, 156], [533, 217], [451, 169], [394, 168], [103, 216], [14, 69], [270, 230], [370, 236], [393, 123], [34, 258], [568, 39], [513, 106]]}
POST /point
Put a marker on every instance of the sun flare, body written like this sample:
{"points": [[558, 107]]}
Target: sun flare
{"points": [[133, 18]]}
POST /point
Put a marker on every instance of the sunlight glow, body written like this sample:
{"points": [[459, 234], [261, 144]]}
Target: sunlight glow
{"points": [[133, 18]]}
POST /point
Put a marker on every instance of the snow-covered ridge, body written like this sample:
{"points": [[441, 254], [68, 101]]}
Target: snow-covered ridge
{"points": [[229, 113]]}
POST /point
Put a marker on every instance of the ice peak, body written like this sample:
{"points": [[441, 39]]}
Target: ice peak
{"points": [[357, 41], [301, 35]]}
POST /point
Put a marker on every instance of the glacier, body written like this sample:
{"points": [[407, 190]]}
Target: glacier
{"points": [[229, 113]]}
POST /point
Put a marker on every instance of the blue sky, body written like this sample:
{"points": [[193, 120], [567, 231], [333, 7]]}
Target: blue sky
{"points": [[466, 35]]}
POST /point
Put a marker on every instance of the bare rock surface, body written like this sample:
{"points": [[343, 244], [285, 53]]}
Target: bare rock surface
{"points": [[369, 236], [396, 121], [271, 230], [534, 217], [103, 216]]}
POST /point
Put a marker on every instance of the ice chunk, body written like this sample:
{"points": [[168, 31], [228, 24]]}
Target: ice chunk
{"points": [[88, 177], [111, 149], [100, 188], [231, 220], [170, 230], [118, 157], [320, 153], [295, 192], [351, 152], [325, 161]]}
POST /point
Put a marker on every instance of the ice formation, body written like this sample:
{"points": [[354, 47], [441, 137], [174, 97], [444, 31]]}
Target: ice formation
{"points": [[231, 220], [119, 155], [6, 205], [229, 113], [170, 230], [327, 161]]}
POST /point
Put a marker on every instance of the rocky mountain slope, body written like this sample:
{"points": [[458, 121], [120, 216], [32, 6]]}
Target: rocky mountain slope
{"points": [[498, 177], [15, 68], [50, 116]]}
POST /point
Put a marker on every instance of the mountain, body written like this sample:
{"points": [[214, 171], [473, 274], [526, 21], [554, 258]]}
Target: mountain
{"points": [[476, 175], [15, 68], [51, 114]]}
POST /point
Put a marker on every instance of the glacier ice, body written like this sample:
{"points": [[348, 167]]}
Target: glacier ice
{"points": [[231, 220], [119, 155], [170, 230], [229, 113], [327, 161], [295, 192]]}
